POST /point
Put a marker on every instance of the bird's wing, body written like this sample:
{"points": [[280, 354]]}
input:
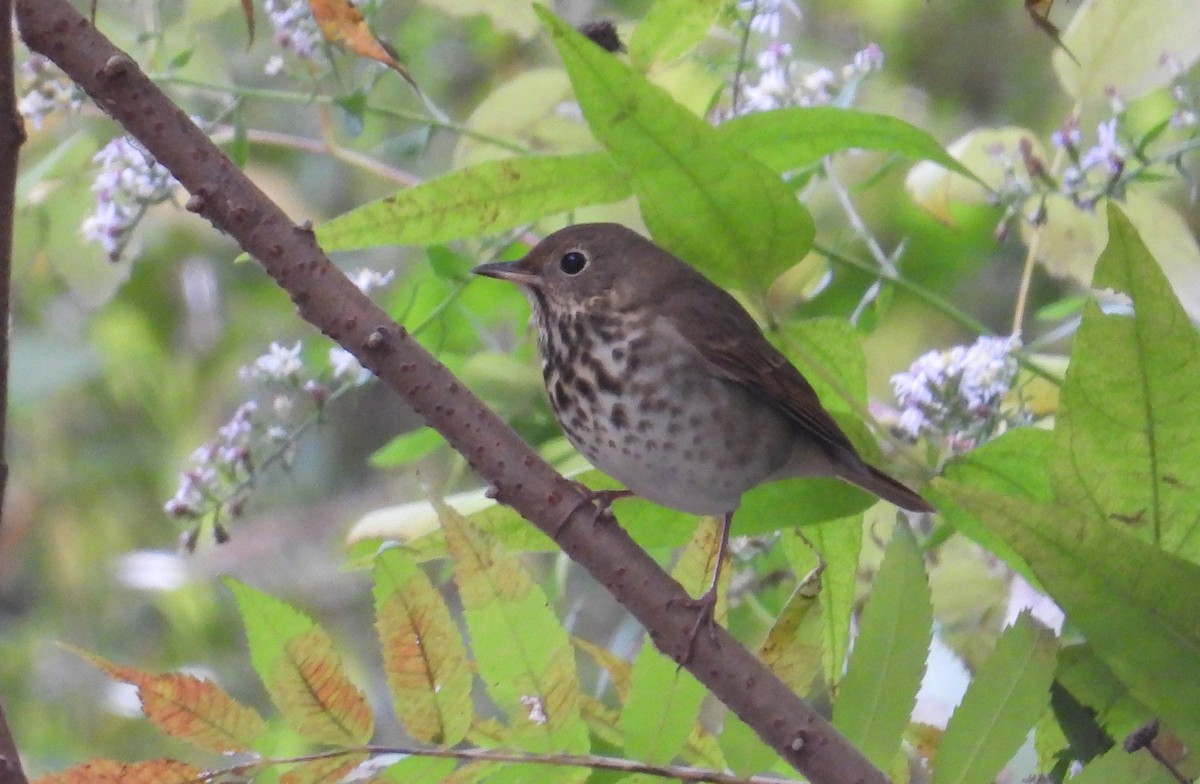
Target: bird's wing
{"points": [[725, 336]]}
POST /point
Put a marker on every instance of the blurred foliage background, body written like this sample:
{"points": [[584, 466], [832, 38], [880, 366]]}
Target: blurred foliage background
{"points": [[121, 369]]}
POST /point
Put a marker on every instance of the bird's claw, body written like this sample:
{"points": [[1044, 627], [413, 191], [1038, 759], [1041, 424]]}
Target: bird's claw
{"points": [[601, 501], [706, 607]]}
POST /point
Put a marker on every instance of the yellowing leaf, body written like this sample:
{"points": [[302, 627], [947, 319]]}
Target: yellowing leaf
{"points": [[545, 118], [322, 771], [617, 668], [515, 16], [423, 654], [521, 650], [189, 708], [343, 24], [935, 188], [312, 691], [301, 671], [161, 771], [1072, 239], [1125, 45], [792, 648]]}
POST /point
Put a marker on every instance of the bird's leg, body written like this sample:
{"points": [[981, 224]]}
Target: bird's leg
{"points": [[707, 602], [602, 501]]}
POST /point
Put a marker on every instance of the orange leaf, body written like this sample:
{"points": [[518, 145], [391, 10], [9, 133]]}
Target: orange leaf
{"points": [[322, 771], [161, 771], [189, 708], [315, 696], [301, 671], [343, 24], [423, 653]]}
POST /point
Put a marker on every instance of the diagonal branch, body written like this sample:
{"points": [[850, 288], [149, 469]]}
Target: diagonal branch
{"points": [[521, 479]]}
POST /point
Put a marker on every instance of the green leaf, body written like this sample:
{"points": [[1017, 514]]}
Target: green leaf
{"points": [[1128, 436], [423, 655], [664, 699], [1017, 464], [1090, 681], [1120, 45], [419, 770], [792, 650], [830, 355], [1135, 603], [839, 543], [300, 670], [793, 502], [797, 137], [521, 650], [670, 29], [1006, 698], [406, 448], [702, 198], [486, 197], [880, 688], [1118, 766]]}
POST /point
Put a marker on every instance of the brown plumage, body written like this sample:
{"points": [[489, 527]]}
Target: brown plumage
{"points": [[665, 382]]}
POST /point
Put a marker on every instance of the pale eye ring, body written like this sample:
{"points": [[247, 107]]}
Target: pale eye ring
{"points": [[573, 262]]}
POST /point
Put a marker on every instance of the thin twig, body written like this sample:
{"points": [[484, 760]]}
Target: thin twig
{"points": [[326, 100], [740, 69], [589, 761], [1031, 252], [942, 305]]}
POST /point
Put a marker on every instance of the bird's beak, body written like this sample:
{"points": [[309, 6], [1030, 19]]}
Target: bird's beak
{"points": [[512, 271]]}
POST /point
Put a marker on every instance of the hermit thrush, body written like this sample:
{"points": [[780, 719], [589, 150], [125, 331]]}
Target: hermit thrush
{"points": [[664, 381]]}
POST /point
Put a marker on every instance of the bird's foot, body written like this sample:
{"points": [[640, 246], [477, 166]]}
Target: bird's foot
{"points": [[706, 621], [600, 500]]}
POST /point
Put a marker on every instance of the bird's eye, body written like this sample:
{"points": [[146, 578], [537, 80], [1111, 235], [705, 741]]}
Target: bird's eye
{"points": [[573, 262]]}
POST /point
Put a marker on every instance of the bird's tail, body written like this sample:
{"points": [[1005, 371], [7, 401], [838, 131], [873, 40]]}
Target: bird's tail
{"points": [[881, 484]]}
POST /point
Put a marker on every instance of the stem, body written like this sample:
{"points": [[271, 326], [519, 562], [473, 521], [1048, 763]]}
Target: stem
{"points": [[589, 761], [325, 100], [1032, 250], [306, 144], [937, 303], [886, 262], [736, 96]]}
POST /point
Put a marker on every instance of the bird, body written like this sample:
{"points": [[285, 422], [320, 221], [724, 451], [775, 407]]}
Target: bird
{"points": [[663, 381]]}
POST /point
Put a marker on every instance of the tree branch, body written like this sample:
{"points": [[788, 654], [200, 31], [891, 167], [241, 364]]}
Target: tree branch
{"points": [[12, 136], [520, 478]]}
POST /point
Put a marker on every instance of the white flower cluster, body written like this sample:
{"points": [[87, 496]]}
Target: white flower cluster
{"points": [[222, 472], [783, 81], [296, 31], [1187, 107], [1106, 157], [767, 15], [129, 182], [44, 89], [957, 395], [779, 80], [214, 465]]}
